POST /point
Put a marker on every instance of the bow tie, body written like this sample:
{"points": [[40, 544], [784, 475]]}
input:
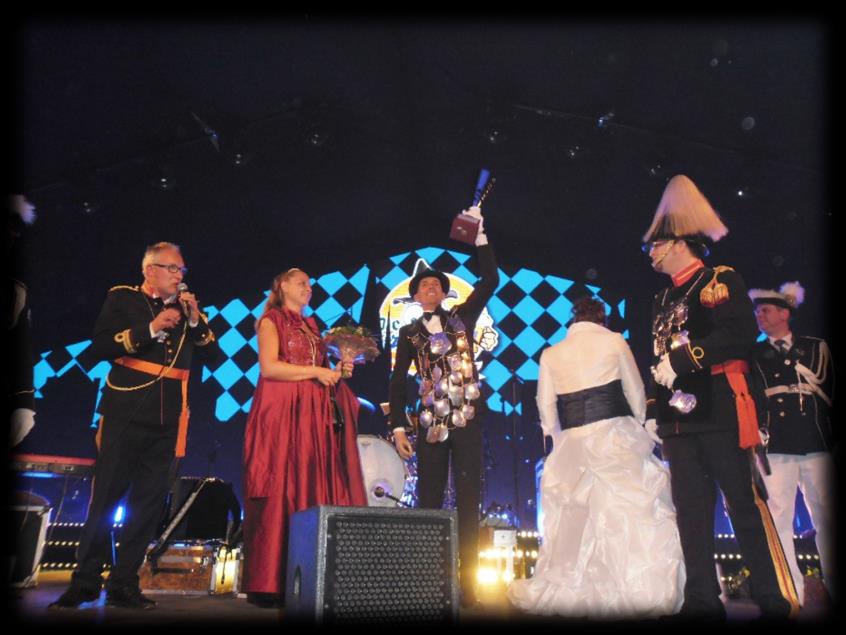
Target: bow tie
{"points": [[428, 315]]}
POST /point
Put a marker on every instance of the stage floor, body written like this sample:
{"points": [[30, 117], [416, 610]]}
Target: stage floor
{"points": [[30, 607]]}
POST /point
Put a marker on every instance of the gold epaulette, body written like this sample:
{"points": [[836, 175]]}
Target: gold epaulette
{"points": [[124, 286], [714, 292]]}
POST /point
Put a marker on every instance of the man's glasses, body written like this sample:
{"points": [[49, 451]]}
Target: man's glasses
{"points": [[647, 248], [171, 268]]}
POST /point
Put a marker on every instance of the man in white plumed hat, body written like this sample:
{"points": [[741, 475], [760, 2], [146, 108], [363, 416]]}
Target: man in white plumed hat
{"points": [[797, 374]]}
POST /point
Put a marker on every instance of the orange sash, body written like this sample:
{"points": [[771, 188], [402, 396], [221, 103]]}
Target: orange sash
{"points": [[747, 417], [180, 374]]}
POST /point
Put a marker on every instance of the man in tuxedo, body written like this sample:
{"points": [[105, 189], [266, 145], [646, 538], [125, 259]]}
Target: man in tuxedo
{"points": [[440, 343]]}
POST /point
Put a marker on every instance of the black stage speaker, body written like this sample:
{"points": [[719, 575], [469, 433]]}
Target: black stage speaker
{"points": [[372, 564], [205, 504]]}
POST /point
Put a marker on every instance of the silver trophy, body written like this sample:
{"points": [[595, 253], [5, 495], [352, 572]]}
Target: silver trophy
{"points": [[684, 402]]}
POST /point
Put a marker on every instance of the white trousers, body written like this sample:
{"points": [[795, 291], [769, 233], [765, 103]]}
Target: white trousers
{"points": [[814, 475]]}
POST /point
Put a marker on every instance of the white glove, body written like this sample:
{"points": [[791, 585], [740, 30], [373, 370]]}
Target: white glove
{"points": [[476, 212], [22, 421], [651, 427], [664, 373]]}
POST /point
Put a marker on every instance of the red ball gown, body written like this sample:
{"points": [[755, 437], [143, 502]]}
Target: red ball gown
{"points": [[294, 458]]}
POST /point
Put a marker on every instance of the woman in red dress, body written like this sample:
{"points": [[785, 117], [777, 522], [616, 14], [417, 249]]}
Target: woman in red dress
{"points": [[298, 451]]}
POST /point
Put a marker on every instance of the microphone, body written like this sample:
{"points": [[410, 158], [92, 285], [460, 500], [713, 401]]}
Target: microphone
{"points": [[379, 492], [180, 289]]}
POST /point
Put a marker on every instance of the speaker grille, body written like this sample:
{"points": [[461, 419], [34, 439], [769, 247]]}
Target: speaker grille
{"points": [[388, 570]]}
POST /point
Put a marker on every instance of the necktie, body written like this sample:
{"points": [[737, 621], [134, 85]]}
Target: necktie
{"points": [[781, 345]]}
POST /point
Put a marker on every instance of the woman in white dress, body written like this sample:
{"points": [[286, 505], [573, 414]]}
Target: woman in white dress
{"points": [[610, 542]]}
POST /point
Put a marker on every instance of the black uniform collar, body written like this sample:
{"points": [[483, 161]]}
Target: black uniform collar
{"points": [[156, 297]]}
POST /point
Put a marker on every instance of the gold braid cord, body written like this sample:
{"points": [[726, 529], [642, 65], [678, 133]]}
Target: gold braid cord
{"points": [[125, 338], [695, 354], [155, 379], [785, 580]]}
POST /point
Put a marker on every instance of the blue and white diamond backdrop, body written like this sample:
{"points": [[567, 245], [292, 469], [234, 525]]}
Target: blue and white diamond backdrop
{"points": [[527, 313]]}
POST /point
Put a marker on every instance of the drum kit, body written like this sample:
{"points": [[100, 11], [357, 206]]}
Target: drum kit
{"points": [[388, 480]]}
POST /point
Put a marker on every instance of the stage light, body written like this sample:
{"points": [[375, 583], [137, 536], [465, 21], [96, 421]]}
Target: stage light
{"points": [[164, 177], [208, 131], [317, 135], [83, 188], [240, 159], [486, 575], [495, 135], [497, 123], [89, 206], [317, 126], [119, 512], [657, 171], [604, 121]]}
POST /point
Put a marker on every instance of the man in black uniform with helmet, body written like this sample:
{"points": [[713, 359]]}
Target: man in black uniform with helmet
{"points": [[703, 333]]}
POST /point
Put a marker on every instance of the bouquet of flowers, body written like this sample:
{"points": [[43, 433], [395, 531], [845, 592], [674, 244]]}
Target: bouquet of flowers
{"points": [[351, 344]]}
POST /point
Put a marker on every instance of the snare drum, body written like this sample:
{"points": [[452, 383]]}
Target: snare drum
{"points": [[382, 467]]}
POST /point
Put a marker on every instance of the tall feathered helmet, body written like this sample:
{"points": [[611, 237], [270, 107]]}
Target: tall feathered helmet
{"points": [[789, 296], [685, 214]]}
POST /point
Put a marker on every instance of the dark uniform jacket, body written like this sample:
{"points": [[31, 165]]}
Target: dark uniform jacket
{"points": [[797, 417], [412, 338], [720, 329], [123, 330]]}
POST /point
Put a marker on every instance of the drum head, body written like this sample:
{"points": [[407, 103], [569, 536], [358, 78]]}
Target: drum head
{"points": [[382, 468]]}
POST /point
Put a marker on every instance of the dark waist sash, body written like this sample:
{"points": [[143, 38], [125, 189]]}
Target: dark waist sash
{"points": [[593, 404]]}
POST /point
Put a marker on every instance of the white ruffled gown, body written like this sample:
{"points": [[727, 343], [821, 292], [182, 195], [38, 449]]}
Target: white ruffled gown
{"points": [[611, 546]]}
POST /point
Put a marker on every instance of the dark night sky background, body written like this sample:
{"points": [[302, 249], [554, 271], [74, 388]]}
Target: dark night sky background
{"points": [[364, 138]]}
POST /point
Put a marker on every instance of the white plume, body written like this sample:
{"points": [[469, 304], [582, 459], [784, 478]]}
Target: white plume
{"points": [[794, 293]]}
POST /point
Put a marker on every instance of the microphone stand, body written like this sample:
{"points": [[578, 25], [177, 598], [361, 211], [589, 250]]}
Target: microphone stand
{"points": [[379, 492]]}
